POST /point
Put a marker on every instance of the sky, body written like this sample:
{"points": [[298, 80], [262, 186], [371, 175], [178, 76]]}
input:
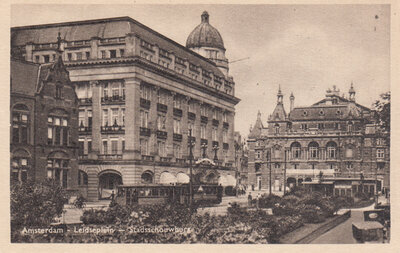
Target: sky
{"points": [[305, 49]]}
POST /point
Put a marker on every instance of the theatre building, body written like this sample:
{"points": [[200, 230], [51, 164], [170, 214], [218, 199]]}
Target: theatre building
{"points": [[335, 141], [139, 94], [44, 124]]}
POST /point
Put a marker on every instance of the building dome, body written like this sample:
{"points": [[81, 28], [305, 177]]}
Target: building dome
{"points": [[205, 35]]}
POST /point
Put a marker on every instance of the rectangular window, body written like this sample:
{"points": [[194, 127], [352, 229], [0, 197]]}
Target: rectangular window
{"points": [[113, 53], [57, 138], [145, 92], [46, 58], [144, 117], [177, 126], [161, 122], [89, 118], [105, 91], [304, 126], [105, 117], [115, 90], [87, 55], [225, 137], [144, 146], [321, 126], [69, 57], [224, 117], [177, 151], [37, 58], [105, 147], [191, 107], [103, 54], [214, 134], [114, 117], [122, 52], [162, 97], [215, 114], [203, 111], [81, 118], [203, 131], [89, 145], [79, 56], [15, 137], [81, 147], [380, 153], [58, 91], [161, 149], [123, 145], [65, 136], [114, 146], [177, 102], [123, 116]]}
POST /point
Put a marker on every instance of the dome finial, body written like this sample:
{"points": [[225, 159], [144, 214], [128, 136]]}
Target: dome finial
{"points": [[205, 17]]}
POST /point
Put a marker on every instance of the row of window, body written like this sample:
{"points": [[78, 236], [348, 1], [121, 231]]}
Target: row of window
{"points": [[57, 131]]}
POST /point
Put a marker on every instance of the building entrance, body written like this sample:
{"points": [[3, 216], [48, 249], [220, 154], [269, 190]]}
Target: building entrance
{"points": [[108, 183]]}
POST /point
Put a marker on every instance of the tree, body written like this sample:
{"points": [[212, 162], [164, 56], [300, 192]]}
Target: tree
{"points": [[36, 204], [382, 115]]}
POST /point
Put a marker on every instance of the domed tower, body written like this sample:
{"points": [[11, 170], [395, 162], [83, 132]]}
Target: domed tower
{"points": [[206, 41]]}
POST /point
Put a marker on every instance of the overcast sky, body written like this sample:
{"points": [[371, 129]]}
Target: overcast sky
{"points": [[304, 48]]}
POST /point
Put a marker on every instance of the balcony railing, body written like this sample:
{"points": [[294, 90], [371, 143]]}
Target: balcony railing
{"points": [[177, 137], [226, 125], [204, 119], [191, 115], [162, 134], [215, 143], [85, 130], [162, 107], [165, 159], [177, 112], [145, 103], [180, 161], [110, 156], [215, 122], [111, 99], [145, 131], [85, 101], [225, 145], [112, 129], [147, 158]]}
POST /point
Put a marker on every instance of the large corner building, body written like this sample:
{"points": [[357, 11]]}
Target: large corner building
{"points": [[140, 93]]}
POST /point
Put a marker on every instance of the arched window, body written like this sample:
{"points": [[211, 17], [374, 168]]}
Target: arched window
{"points": [[276, 128], [331, 148], [20, 164], [20, 124], [296, 150], [57, 128], [313, 150], [147, 177], [57, 167]]}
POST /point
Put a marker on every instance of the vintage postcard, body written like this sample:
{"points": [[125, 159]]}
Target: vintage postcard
{"points": [[200, 124]]}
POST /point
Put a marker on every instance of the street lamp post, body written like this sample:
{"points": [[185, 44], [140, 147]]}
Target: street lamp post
{"points": [[191, 173], [284, 175]]}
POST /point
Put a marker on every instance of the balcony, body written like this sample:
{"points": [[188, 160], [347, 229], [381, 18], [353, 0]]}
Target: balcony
{"points": [[215, 144], [177, 137], [162, 107], [204, 119], [192, 138], [85, 101], [144, 103], [177, 112], [85, 130], [165, 159], [215, 122], [115, 129], [191, 116], [203, 141], [180, 161], [113, 99], [162, 134], [225, 145], [110, 156], [145, 131], [148, 158], [226, 125]]}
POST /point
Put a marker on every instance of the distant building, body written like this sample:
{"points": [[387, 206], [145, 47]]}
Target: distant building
{"points": [[44, 123], [241, 159], [140, 93], [333, 138]]}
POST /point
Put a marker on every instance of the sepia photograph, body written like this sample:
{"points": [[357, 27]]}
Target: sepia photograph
{"points": [[200, 123]]}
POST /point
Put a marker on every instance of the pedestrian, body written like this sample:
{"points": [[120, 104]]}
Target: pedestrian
{"points": [[258, 200], [112, 196], [249, 198]]}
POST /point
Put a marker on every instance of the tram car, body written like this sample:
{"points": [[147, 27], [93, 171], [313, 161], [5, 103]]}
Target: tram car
{"points": [[150, 194]]}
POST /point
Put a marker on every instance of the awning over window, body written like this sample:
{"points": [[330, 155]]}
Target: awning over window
{"points": [[182, 178], [167, 178]]}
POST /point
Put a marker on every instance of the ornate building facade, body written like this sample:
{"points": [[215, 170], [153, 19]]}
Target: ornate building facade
{"points": [[335, 138], [140, 93], [44, 124]]}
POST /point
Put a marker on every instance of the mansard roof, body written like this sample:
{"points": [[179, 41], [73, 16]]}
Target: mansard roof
{"points": [[105, 29]]}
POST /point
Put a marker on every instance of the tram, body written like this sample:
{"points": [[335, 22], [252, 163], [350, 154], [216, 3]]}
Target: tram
{"points": [[150, 194]]}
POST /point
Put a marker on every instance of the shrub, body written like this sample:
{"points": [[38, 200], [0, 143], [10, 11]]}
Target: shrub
{"points": [[269, 201], [79, 202], [36, 204]]}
